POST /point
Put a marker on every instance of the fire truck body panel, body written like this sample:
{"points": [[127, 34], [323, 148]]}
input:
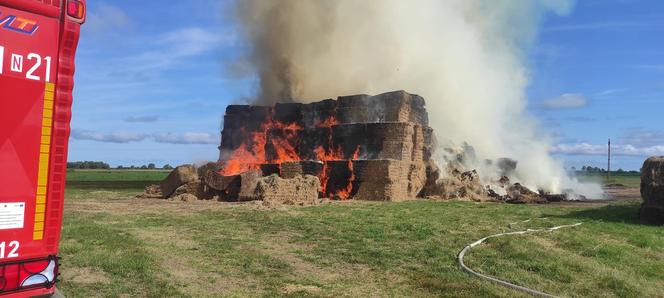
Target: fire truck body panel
{"points": [[38, 40]]}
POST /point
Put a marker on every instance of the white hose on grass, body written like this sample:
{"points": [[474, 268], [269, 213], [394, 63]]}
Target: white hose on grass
{"points": [[502, 282]]}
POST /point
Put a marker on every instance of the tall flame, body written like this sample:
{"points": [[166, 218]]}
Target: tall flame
{"points": [[283, 140]]}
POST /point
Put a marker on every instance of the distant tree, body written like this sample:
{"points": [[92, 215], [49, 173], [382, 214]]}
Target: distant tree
{"points": [[151, 166], [132, 167], [144, 167], [168, 167], [88, 165], [620, 171], [120, 167], [573, 169], [584, 168]]}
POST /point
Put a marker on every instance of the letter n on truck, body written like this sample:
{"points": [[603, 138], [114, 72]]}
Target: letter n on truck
{"points": [[38, 40]]}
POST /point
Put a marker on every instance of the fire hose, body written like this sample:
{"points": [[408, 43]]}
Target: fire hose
{"points": [[499, 281]]}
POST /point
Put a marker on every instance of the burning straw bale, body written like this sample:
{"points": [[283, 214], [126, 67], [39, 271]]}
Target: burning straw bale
{"points": [[355, 147], [396, 106], [292, 169], [518, 194], [227, 187], [327, 138], [210, 166]]}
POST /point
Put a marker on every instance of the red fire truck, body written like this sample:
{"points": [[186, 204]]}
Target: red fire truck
{"points": [[38, 40]]}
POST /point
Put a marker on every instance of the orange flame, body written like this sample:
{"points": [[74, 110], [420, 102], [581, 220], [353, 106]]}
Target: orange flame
{"points": [[329, 122], [345, 193], [252, 152], [242, 160]]}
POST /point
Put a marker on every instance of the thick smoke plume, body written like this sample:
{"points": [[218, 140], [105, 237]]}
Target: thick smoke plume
{"points": [[465, 57]]}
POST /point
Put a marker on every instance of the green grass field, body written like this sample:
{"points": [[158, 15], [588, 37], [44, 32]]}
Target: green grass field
{"points": [[627, 179], [114, 245], [126, 181]]}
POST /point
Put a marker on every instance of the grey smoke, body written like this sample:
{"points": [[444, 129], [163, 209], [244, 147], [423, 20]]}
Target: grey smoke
{"points": [[114, 137], [465, 57]]}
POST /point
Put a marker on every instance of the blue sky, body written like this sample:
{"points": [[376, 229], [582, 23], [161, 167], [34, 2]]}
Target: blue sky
{"points": [[152, 82], [598, 73]]}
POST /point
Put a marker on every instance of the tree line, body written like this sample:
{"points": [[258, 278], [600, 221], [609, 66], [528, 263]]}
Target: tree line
{"points": [[149, 166], [100, 165], [593, 170]]}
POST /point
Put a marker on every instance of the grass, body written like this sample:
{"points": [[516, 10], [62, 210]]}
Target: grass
{"points": [[156, 248], [122, 181], [627, 179]]}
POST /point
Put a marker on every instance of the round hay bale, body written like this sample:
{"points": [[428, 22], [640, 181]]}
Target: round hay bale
{"points": [[181, 175], [652, 191]]}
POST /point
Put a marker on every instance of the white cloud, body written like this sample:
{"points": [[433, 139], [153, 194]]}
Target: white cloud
{"points": [[173, 48], [565, 101], [193, 40], [610, 92], [141, 119], [165, 137], [595, 26], [642, 137], [114, 137], [593, 149], [186, 138], [581, 119]]}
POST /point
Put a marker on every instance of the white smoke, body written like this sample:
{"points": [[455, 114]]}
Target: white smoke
{"points": [[465, 57]]}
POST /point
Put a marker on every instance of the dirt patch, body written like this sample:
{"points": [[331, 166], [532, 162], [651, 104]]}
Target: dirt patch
{"points": [[175, 251], [110, 195], [621, 192], [349, 280], [85, 275], [290, 289], [164, 236], [280, 247], [185, 197], [119, 204]]}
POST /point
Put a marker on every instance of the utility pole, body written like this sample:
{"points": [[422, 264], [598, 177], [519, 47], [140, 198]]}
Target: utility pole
{"points": [[608, 172]]}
